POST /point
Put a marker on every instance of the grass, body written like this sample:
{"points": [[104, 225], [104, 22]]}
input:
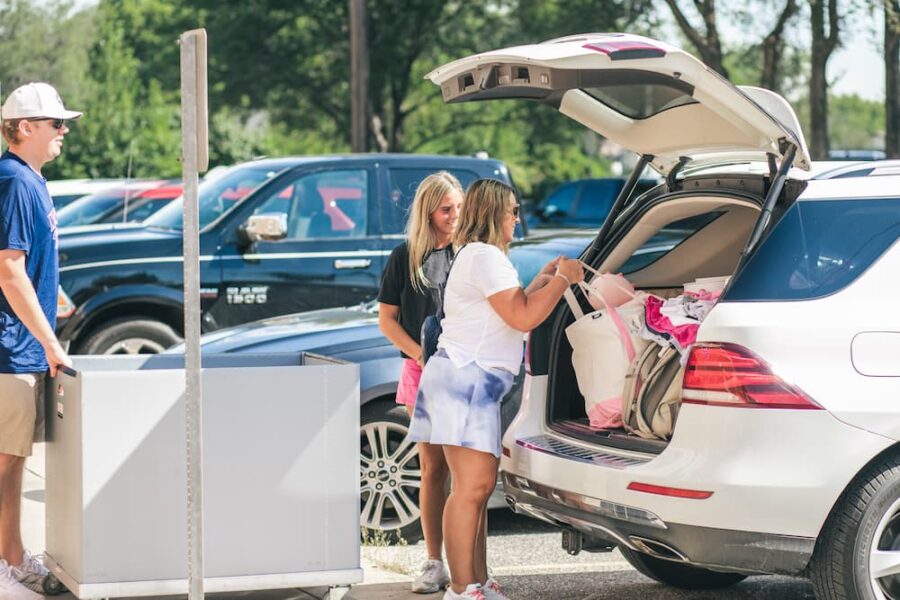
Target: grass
{"points": [[380, 541]]}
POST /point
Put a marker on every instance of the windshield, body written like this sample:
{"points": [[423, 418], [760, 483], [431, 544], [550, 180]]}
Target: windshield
{"points": [[215, 196], [87, 210]]}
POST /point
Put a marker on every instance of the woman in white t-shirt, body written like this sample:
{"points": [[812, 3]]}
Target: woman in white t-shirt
{"points": [[479, 353]]}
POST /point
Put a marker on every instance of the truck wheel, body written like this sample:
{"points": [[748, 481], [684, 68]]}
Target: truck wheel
{"points": [[680, 575], [857, 555], [389, 475], [130, 336]]}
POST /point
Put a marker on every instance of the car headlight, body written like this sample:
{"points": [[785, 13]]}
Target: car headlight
{"points": [[64, 305]]}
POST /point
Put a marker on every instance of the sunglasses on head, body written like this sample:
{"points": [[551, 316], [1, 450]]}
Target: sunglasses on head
{"points": [[56, 123]]}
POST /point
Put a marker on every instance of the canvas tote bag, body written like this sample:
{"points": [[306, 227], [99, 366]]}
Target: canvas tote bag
{"points": [[604, 343]]}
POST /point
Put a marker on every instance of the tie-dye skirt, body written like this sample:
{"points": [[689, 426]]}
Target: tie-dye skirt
{"points": [[459, 406]]}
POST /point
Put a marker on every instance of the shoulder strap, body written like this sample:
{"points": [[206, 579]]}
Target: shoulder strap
{"points": [[440, 311]]}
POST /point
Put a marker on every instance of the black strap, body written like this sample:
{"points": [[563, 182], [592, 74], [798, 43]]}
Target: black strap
{"points": [[440, 311]]}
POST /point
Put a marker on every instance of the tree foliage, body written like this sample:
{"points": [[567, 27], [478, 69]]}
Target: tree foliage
{"points": [[279, 76]]}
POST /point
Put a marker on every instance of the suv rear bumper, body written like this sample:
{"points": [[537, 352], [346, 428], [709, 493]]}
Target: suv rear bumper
{"points": [[642, 531]]}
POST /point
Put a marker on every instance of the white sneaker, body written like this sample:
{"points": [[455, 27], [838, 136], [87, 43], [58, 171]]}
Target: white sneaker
{"points": [[474, 591], [433, 578], [10, 588], [31, 573], [492, 590]]}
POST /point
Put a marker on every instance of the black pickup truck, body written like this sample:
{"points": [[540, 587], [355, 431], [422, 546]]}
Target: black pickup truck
{"points": [[314, 232]]}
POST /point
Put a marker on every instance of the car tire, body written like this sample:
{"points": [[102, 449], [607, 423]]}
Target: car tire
{"points": [[862, 539], [680, 575], [130, 336], [390, 475]]}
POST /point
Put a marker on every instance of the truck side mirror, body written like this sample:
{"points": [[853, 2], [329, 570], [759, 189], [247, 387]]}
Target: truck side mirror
{"points": [[267, 227]]}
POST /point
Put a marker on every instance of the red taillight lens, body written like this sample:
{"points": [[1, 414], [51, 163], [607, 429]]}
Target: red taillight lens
{"points": [[729, 375], [662, 490]]}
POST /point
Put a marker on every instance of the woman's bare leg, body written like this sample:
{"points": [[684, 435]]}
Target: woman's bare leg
{"points": [[432, 495], [480, 558], [474, 475]]}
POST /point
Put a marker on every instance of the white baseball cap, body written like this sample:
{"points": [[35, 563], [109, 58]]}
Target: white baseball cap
{"points": [[36, 100]]}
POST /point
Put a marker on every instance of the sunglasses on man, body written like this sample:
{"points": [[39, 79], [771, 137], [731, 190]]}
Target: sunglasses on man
{"points": [[56, 123]]}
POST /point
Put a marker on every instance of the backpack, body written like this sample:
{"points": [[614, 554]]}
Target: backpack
{"points": [[652, 393]]}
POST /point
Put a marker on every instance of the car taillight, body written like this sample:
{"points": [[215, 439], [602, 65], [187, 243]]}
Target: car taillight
{"points": [[730, 375], [64, 306]]}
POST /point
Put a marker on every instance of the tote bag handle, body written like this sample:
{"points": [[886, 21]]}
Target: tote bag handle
{"points": [[614, 315]]}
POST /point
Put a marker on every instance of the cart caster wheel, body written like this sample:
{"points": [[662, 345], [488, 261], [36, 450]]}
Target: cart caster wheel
{"points": [[337, 592], [53, 586]]}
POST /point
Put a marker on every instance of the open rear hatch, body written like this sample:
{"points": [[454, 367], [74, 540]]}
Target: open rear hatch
{"points": [[655, 100], [645, 95]]}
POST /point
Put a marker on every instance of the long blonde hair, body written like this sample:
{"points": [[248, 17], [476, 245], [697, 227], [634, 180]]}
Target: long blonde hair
{"points": [[420, 237], [484, 209]]}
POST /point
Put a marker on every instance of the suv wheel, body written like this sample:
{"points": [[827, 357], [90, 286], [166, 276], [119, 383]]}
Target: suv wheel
{"points": [[130, 336], [858, 553], [389, 474], [679, 575]]}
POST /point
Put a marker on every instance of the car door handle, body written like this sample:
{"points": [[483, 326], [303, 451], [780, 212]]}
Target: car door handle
{"points": [[352, 263]]}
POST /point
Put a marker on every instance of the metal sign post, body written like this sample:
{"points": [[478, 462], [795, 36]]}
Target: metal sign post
{"points": [[195, 158]]}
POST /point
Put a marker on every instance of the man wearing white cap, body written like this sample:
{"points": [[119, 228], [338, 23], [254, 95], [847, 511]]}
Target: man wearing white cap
{"points": [[33, 125]]}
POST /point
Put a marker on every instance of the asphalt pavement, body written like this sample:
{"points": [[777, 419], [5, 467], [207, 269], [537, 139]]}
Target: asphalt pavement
{"points": [[524, 555]]}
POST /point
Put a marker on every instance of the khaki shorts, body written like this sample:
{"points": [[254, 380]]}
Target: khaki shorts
{"points": [[21, 412]]}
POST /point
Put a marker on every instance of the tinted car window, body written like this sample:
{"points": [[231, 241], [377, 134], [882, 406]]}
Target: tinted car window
{"points": [[818, 248], [87, 210], [597, 197], [665, 240], [137, 210], [62, 200], [215, 196], [561, 200], [325, 204], [641, 100], [403, 189]]}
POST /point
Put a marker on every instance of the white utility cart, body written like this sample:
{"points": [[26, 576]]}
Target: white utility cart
{"points": [[280, 465]]}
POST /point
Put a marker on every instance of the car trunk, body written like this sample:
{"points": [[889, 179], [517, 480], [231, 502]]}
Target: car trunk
{"points": [[699, 231], [676, 114]]}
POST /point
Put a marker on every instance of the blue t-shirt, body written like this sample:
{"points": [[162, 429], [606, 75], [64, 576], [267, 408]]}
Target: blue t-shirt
{"points": [[27, 223]]}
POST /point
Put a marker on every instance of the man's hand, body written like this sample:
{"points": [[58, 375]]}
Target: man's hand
{"points": [[56, 357]]}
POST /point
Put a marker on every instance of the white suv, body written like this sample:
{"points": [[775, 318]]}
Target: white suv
{"points": [[785, 454]]}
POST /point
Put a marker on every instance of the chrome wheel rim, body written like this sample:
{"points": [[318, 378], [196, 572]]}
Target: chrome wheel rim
{"points": [[884, 557], [135, 345], [390, 477]]}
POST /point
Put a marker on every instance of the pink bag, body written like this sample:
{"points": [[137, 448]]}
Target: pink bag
{"points": [[613, 288]]}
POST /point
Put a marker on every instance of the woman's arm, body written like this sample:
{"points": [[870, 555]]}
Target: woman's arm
{"points": [[389, 323], [526, 311]]}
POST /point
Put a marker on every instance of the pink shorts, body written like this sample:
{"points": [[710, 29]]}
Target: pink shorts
{"points": [[408, 386]]}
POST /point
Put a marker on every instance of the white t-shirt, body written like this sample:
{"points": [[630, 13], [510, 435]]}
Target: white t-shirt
{"points": [[471, 329]]}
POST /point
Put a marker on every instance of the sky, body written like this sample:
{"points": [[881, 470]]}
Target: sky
{"points": [[856, 67]]}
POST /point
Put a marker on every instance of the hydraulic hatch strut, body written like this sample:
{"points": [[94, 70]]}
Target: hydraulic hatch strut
{"points": [[619, 204], [771, 199]]}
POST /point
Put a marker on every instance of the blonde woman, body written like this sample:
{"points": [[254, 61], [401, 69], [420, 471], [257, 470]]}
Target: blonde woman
{"points": [[479, 352], [410, 291]]}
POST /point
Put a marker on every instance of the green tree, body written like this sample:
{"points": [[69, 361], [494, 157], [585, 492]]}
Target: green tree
{"points": [[44, 42], [127, 129]]}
